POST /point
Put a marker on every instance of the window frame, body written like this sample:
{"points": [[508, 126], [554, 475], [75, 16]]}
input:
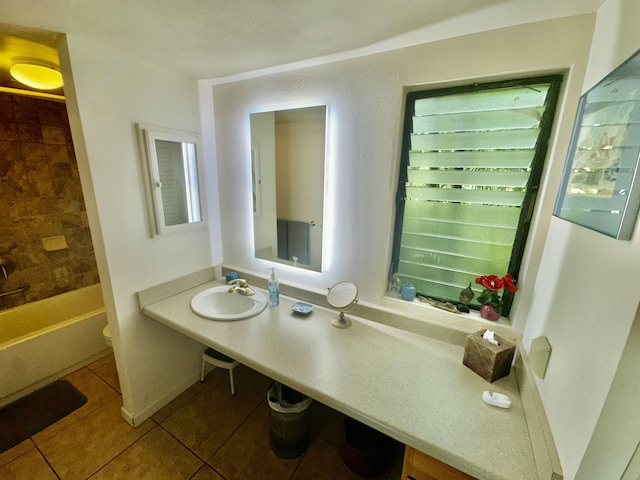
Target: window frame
{"points": [[533, 183]]}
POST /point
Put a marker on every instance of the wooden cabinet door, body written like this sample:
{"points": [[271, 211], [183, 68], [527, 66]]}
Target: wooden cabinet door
{"points": [[420, 466]]}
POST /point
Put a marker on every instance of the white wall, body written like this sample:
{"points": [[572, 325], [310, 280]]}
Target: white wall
{"points": [[586, 295], [577, 287], [366, 101], [617, 433], [111, 92]]}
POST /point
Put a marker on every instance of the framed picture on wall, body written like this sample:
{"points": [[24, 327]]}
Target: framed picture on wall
{"points": [[600, 189]]}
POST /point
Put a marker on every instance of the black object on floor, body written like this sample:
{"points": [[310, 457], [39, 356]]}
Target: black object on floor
{"points": [[364, 450], [30, 414]]}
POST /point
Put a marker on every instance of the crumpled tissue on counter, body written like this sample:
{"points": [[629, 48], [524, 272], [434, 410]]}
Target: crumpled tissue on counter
{"points": [[488, 335]]}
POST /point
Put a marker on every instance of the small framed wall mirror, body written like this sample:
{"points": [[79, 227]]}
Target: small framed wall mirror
{"points": [[601, 188], [288, 174], [174, 169]]}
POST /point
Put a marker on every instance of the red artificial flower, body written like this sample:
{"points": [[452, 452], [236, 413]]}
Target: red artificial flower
{"points": [[490, 282], [508, 283]]}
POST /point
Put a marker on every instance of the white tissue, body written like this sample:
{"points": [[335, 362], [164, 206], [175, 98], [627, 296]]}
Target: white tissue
{"points": [[488, 336]]}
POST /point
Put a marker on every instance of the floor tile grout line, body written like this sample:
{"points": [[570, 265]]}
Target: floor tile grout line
{"points": [[120, 453], [45, 459], [302, 457], [174, 412], [187, 400], [182, 443], [103, 381], [204, 462], [88, 413], [205, 465], [74, 422], [233, 433]]}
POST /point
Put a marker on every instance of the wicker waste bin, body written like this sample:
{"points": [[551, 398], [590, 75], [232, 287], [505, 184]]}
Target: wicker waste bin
{"points": [[367, 452], [290, 422]]}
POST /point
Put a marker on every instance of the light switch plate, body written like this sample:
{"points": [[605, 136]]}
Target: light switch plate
{"points": [[539, 355]]}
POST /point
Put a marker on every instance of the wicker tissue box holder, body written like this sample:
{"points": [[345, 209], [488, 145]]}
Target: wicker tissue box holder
{"points": [[489, 361]]}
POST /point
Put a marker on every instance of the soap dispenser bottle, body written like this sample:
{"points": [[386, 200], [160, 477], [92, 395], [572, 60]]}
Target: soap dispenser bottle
{"points": [[274, 289]]}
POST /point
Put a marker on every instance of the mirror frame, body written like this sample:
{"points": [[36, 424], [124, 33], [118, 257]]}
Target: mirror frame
{"points": [[600, 189], [148, 136], [256, 187], [341, 321], [339, 285]]}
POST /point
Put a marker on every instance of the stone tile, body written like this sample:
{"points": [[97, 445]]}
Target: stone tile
{"points": [[50, 225], [29, 132], [41, 181], [247, 380], [9, 131], [15, 182], [331, 428], [394, 472], [50, 114], [82, 449], [156, 455], [319, 414], [209, 418], [37, 162], [179, 401], [98, 393], [25, 111], [30, 466], [39, 206], [33, 154], [14, 452], [323, 462], [207, 473], [106, 369], [6, 112], [10, 152], [57, 153], [107, 359], [247, 454], [62, 181], [53, 135]]}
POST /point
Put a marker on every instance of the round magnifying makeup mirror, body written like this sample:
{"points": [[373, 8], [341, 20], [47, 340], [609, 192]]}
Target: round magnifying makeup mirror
{"points": [[342, 296]]}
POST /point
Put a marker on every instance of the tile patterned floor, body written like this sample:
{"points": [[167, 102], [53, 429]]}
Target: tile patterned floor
{"points": [[204, 434]]}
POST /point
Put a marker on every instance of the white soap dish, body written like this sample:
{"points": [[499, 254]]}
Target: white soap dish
{"points": [[302, 308]]}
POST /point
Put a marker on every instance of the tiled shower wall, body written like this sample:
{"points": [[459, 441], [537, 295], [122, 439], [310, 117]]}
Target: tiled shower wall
{"points": [[40, 198]]}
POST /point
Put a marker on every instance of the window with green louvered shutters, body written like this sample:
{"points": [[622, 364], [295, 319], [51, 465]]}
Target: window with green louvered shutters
{"points": [[472, 158]]}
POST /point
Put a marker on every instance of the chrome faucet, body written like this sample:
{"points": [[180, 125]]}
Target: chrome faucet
{"points": [[7, 267], [241, 286]]}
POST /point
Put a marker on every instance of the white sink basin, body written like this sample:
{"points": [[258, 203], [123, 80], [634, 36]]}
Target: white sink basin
{"points": [[218, 304]]}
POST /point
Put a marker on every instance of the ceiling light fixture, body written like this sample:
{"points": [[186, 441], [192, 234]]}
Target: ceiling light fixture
{"points": [[36, 74]]}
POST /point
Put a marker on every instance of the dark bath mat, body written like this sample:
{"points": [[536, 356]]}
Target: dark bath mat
{"points": [[36, 411]]}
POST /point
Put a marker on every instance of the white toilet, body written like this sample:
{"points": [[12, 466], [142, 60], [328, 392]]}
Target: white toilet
{"points": [[106, 334]]}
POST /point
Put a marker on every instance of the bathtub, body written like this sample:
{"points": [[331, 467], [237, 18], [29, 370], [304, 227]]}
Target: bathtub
{"points": [[47, 339]]}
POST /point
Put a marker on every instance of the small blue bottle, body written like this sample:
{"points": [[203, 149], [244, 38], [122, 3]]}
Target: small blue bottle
{"points": [[274, 289], [408, 292]]}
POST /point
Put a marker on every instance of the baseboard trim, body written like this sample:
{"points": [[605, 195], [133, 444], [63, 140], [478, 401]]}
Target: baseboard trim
{"points": [[137, 418], [544, 449]]}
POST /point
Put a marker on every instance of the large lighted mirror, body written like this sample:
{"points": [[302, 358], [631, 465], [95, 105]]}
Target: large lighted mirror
{"points": [[287, 165], [174, 166]]}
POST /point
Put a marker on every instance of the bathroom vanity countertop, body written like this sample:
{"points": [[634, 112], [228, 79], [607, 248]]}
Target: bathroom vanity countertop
{"points": [[411, 387]]}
